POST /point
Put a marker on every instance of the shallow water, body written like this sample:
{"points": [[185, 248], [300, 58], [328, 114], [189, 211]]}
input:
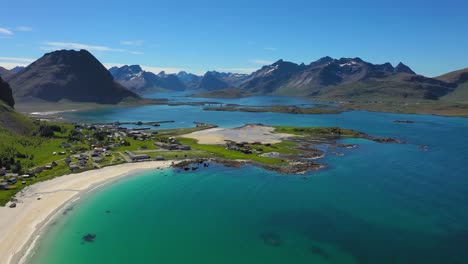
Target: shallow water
{"points": [[379, 203]]}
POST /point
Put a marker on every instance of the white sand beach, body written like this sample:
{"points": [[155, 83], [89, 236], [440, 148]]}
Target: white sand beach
{"points": [[248, 133], [39, 202]]}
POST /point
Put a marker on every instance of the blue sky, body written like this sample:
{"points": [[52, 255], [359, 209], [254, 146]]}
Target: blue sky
{"points": [[239, 36]]}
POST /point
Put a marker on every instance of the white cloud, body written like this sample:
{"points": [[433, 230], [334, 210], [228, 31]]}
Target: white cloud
{"points": [[23, 28], [270, 48], [11, 62], [137, 52], [261, 62], [76, 46], [153, 69], [17, 59], [132, 42], [4, 31]]}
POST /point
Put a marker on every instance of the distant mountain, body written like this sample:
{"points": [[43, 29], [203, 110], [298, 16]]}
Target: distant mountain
{"points": [[232, 79], [6, 95], [210, 82], [8, 73], [17, 69], [190, 80], [213, 80], [270, 78], [70, 75], [460, 80], [345, 78], [4, 72], [136, 79]]}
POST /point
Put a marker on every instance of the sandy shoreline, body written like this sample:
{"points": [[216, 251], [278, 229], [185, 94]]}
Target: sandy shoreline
{"points": [[19, 226], [248, 133]]}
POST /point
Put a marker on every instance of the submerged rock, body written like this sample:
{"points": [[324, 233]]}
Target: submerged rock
{"points": [[89, 238], [65, 212], [271, 238], [320, 252]]}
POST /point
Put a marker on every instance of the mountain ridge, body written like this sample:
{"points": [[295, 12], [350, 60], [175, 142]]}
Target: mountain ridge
{"points": [[68, 75], [136, 79]]}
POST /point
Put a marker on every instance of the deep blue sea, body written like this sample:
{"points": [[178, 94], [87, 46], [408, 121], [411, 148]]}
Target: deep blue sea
{"points": [[379, 203]]}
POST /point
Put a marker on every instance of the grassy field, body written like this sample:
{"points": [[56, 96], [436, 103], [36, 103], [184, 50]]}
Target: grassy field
{"points": [[318, 131], [222, 152]]}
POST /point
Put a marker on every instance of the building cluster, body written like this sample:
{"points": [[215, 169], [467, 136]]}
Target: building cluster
{"points": [[137, 157], [243, 147], [172, 146]]}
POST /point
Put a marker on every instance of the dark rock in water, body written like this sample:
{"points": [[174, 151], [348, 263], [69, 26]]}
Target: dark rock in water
{"points": [[89, 238], [186, 168], [66, 211], [320, 252], [271, 238], [423, 147], [404, 121], [108, 211], [194, 168], [388, 140]]}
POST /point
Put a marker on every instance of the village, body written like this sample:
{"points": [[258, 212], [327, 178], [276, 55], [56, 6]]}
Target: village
{"points": [[93, 146]]}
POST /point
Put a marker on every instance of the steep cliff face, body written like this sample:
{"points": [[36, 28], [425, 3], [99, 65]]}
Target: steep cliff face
{"points": [[6, 94]]}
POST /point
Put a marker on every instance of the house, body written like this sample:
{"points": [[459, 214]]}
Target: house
{"points": [[39, 169], [66, 145], [135, 157], [11, 181], [26, 176], [159, 158], [3, 186], [83, 163], [73, 166], [98, 159], [184, 147], [2, 171], [62, 153]]}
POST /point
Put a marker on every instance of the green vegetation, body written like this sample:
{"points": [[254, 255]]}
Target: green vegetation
{"points": [[319, 131], [221, 151]]}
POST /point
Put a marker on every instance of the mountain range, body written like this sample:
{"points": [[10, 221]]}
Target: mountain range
{"points": [[136, 79], [326, 78], [68, 75], [79, 76], [345, 78]]}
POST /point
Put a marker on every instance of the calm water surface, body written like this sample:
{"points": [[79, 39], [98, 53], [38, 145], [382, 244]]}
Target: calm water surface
{"points": [[376, 204]]}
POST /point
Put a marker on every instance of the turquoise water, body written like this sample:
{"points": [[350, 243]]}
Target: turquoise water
{"points": [[379, 203]]}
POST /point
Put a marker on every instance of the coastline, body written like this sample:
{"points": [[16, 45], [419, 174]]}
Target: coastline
{"points": [[20, 226]]}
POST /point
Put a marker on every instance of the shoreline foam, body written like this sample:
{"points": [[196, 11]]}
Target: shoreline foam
{"points": [[20, 227]]}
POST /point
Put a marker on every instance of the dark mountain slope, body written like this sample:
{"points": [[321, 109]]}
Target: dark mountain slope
{"points": [[71, 75], [6, 94], [460, 80]]}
